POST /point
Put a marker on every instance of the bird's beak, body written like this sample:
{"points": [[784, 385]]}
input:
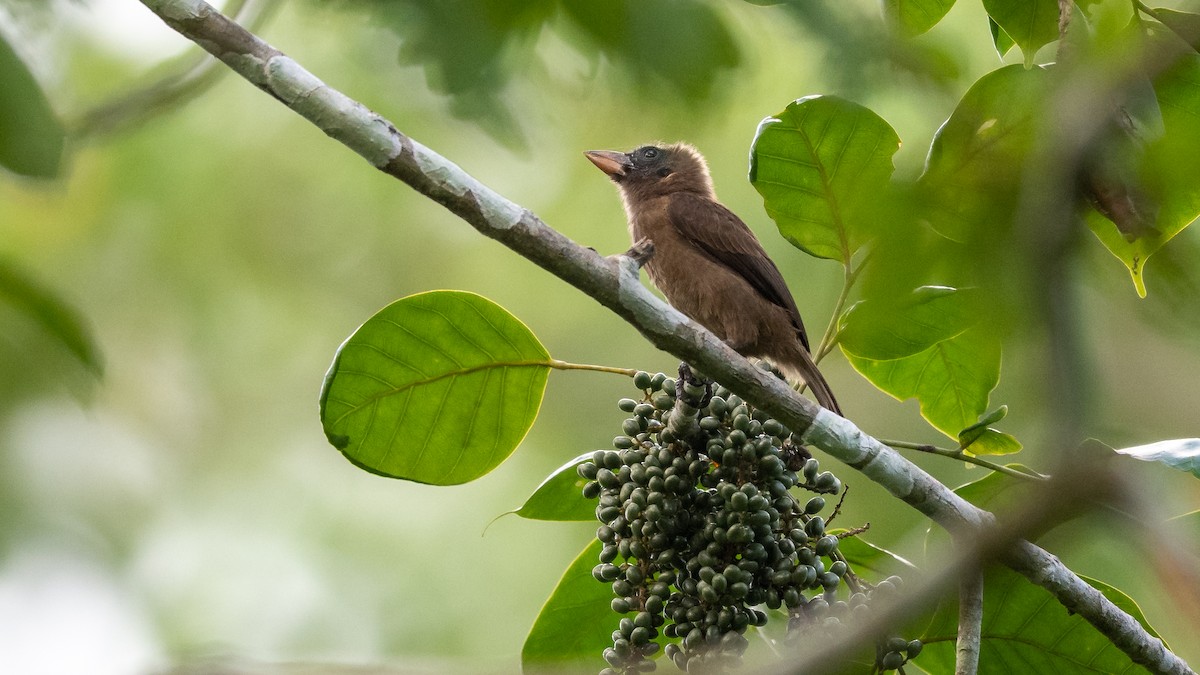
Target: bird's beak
{"points": [[615, 164]]}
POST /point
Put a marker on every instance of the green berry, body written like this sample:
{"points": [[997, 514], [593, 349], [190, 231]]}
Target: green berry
{"points": [[814, 527], [826, 545], [896, 644], [717, 406], [891, 661], [811, 467]]}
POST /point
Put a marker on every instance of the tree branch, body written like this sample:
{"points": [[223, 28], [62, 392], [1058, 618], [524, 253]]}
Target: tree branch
{"points": [[189, 76], [970, 622], [615, 283]]}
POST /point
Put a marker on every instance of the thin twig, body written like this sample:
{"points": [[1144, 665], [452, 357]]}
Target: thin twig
{"points": [[830, 336], [960, 454], [189, 76]]}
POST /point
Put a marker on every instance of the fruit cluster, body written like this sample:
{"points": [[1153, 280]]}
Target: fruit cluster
{"points": [[701, 532]]}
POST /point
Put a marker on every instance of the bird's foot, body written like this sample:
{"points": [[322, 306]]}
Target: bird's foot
{"points": [[689, 382], [641, 252]]}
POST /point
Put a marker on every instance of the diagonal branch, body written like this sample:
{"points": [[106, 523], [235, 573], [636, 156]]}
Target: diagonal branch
{"points": [[614, 282]]}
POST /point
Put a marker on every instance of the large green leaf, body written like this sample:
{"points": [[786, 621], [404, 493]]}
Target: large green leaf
{"points": [[575, 624], [1184, 24], [679, 46], [996, 492], [975, 161], [891, 328], [560, 496], [952, 379], [1002, 40], [822, 166], [1180, 453], [438, 387], [1170, 168], [1030, 23], [872, 562], [1025, 630], [914, 17], [31, 137], [56, 317]]}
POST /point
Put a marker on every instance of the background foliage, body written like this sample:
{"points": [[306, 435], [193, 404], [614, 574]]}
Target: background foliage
{"points": [[186, 506]]}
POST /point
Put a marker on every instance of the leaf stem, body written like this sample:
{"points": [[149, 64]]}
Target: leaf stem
{"points": [[831, 330], [972, 459], [830, 337], [567, 365]]}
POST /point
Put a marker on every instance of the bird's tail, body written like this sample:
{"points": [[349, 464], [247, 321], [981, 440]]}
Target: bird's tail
{"points": [[799, 364]]}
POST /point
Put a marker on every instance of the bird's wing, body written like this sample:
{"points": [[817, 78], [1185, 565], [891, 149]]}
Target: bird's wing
{"points": [[726, 239]]}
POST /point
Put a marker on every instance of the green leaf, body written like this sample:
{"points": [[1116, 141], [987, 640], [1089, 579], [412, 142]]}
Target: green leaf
{"points": [[814, 163], [1180, 453], [952, 379], [575, 624], [975, 161], [996, 492], [992, 442], [560, 496], [682, 47], [1000, 38], [914, 17], [51, 312], [872, 562], [1170, 169], [981, 439], [1184, 24], [438, 388], [1030, 23], [885, 328], [972, 432], [1190, 520], [1023, 624], [31, 137]]}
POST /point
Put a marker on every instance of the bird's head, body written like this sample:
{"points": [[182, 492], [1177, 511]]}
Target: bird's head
{"points": [[655, 170]]}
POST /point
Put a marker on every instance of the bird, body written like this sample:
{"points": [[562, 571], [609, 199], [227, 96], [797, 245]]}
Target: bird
{"points": [[707, 262]]}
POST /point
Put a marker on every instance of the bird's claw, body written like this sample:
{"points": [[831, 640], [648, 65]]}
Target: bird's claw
{"points": [[641, 252], [686, 377]]}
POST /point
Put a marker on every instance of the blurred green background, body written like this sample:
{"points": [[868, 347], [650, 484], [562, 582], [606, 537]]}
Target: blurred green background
{"points": [[186, 509]]}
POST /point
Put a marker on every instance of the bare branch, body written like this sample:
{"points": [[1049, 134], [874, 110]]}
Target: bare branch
{"points": [[970, 622], [188, 76], [614, 283]]}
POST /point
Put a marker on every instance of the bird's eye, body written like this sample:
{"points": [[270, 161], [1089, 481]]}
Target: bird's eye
{"points": [[650, 153]]}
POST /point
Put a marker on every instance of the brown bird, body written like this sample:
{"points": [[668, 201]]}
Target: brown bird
{"points": [[707, 262]]}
